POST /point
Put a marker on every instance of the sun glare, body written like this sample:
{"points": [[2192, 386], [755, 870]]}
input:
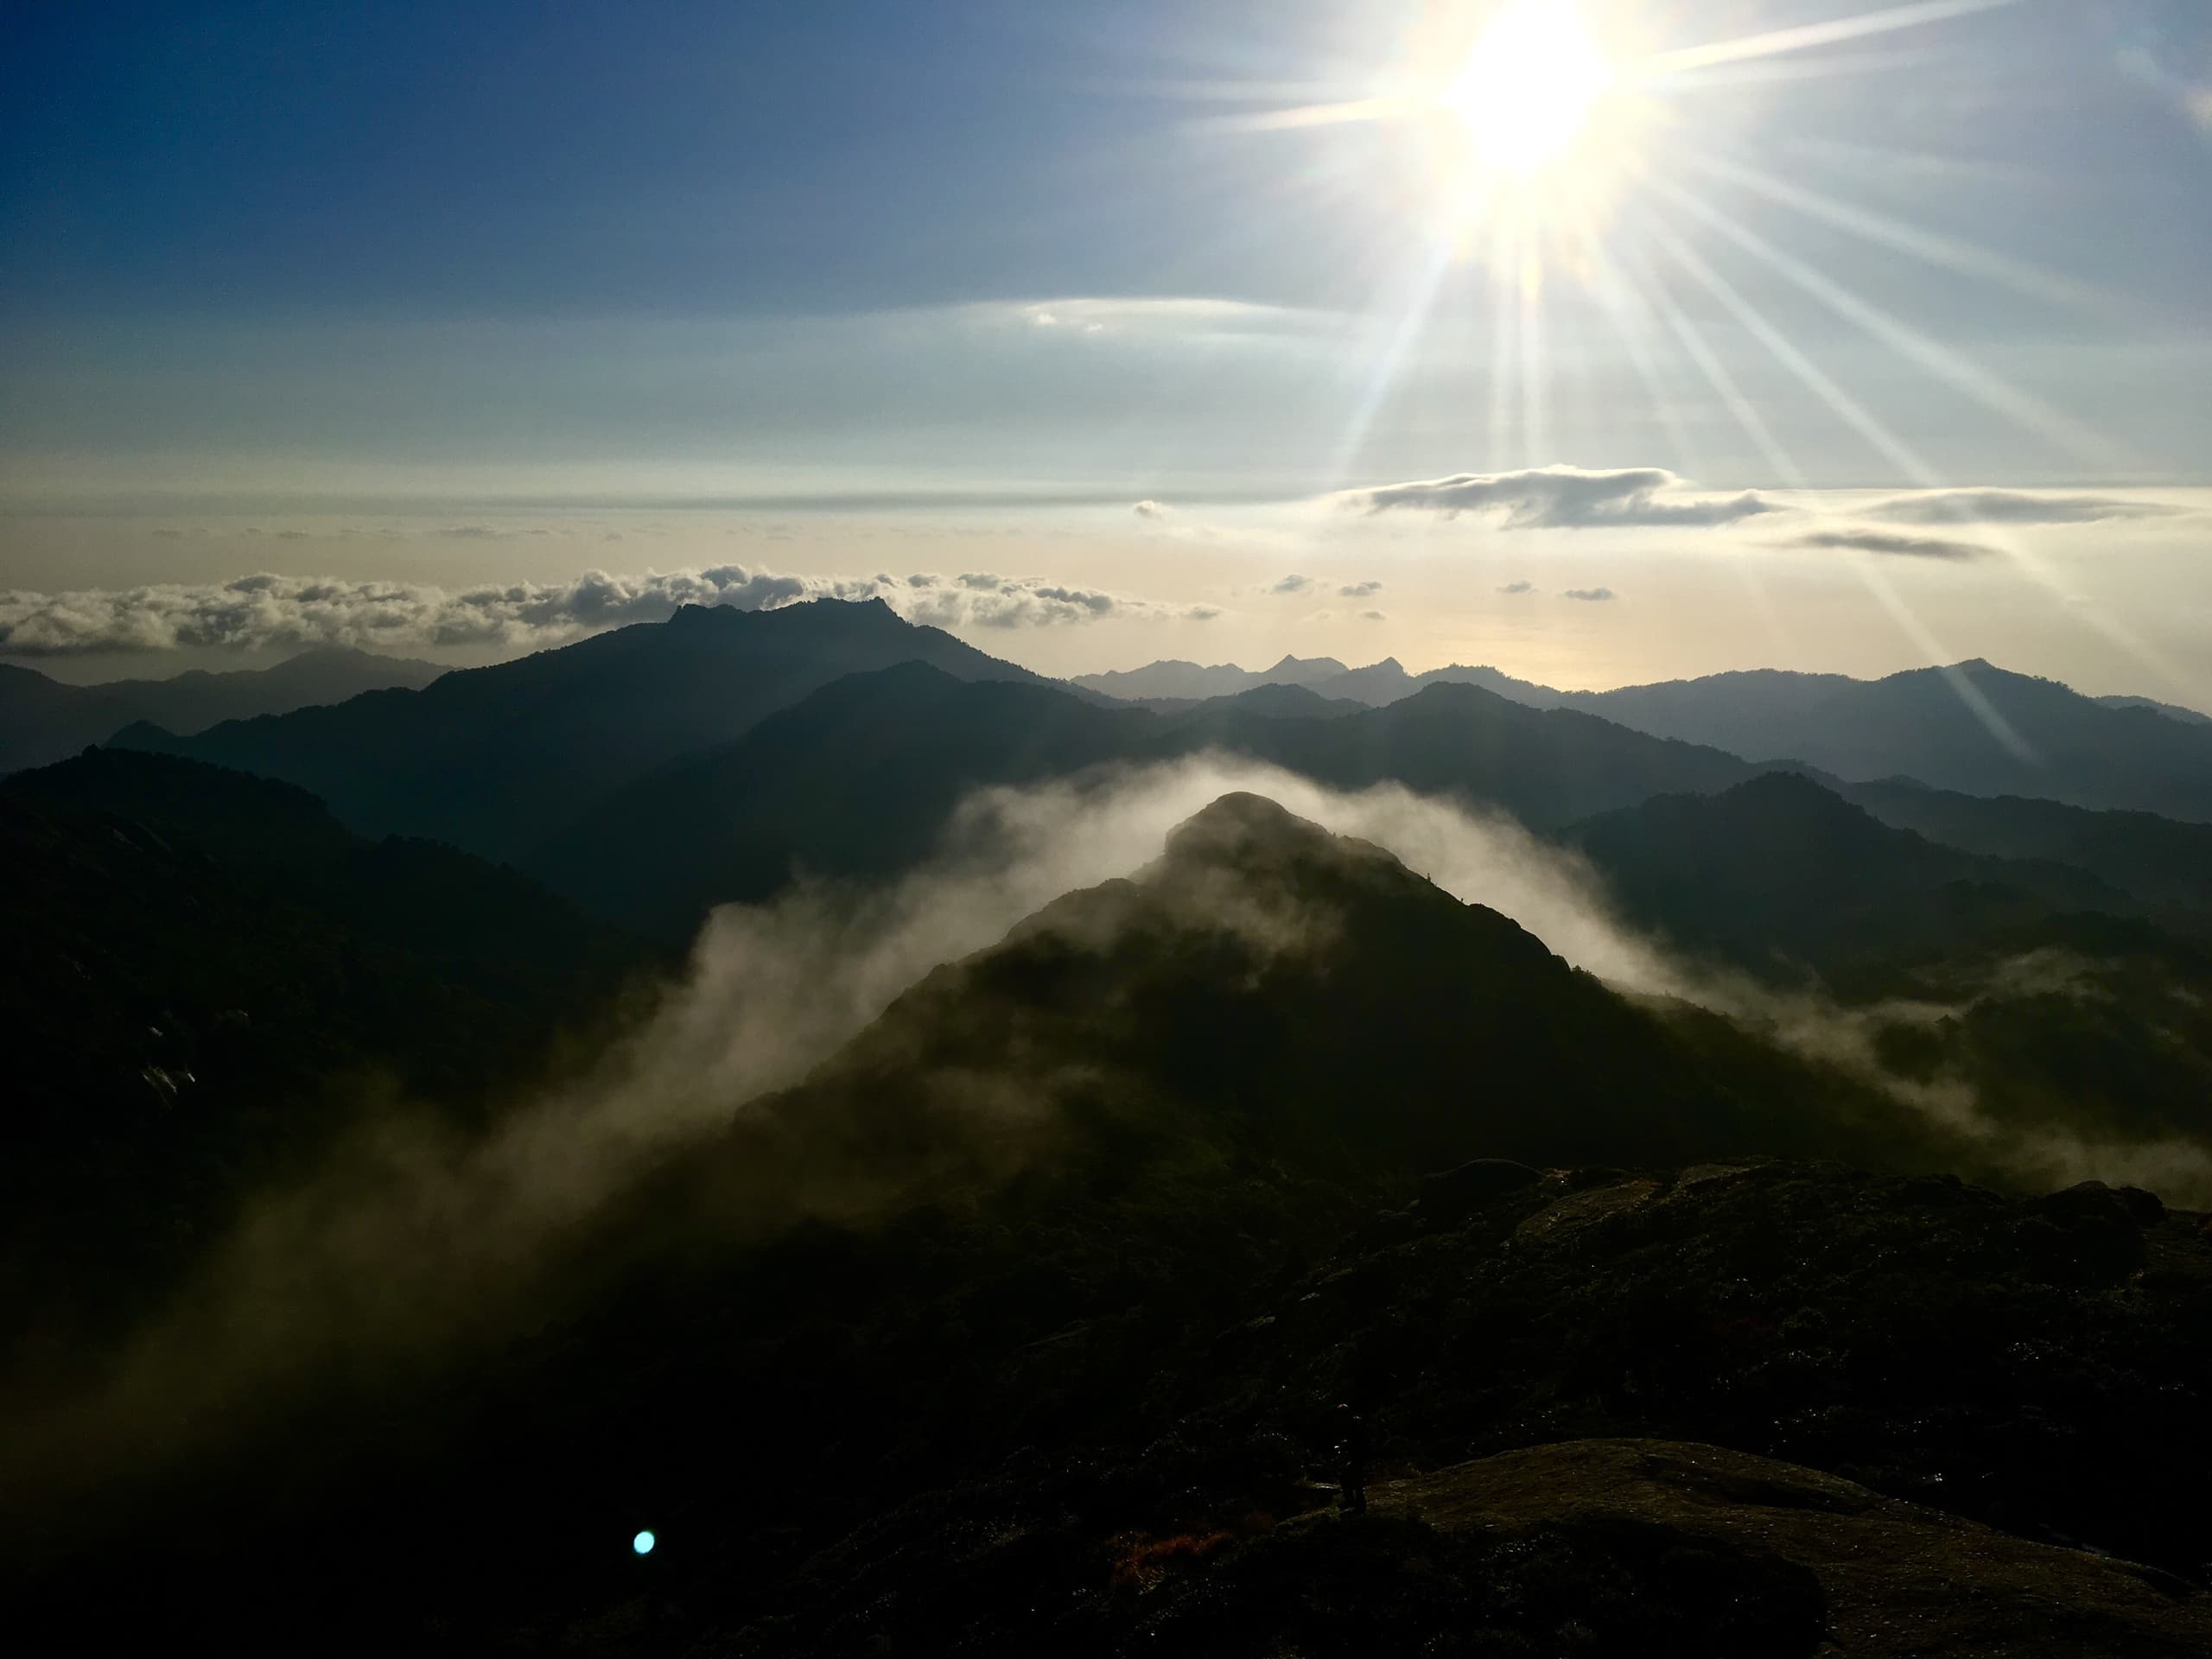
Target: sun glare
{"points": [[1526, 93]]}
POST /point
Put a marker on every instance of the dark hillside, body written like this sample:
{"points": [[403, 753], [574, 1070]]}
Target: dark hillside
{"points": [[2065, 1005], [205, 968], [860, 779], [43, 720], [2161, 860], [1780, 870]]}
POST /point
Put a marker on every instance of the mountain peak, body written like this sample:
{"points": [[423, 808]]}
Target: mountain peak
{"points": [[1247, 832], [1293, 664]]}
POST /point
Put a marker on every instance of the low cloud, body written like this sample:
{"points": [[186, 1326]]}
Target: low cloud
{"points": [[1518, 587], [1889, 543], [1292, 585], [1374, 616], [1569, 498], [980, 599], [1594, 595], [2013, 507], [1360, 589], [268, 611], [1152, 510], [419, 1236]]}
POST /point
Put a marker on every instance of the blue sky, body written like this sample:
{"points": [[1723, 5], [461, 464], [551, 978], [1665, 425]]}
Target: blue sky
{"points": [[872, 267]]}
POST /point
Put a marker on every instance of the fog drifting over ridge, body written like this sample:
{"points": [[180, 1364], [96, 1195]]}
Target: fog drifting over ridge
{"points": [[419, 1236]]}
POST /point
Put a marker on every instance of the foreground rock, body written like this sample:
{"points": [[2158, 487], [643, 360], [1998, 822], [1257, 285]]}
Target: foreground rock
{"points": [[1896, 1578]]}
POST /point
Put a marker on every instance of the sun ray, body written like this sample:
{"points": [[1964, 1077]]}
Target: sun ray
{"points": [[1902, 455], [1504, 354], [1961, 373], [1617, 293], [1708, 362], [1301, 116], [1810, 36], [1618, 299], [1535, 433], [1849, 410], [1863, 422], [1412, 320], [1948, 253]]}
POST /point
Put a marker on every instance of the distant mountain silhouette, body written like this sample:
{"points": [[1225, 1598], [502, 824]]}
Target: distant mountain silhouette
{"points": [[1546, 766], [1781, 868], [858, 781], [43, 720], [1284, 702], [1188, 682], [1972, 728], [494, 758], [1376, 684], [2172, 710], [2162, 861]]}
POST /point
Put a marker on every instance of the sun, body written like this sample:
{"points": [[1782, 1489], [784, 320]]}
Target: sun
{"points": [[1526, 94]]}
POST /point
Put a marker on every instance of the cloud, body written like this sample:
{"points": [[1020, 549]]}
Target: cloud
{"points": [[1152, 510], [1569, 497], [268, 611], [977, 600], [1374, 616], [1518, 587], [1292, 585], [1360, 589], [1594, 595], [1890, 542], [2012, 507]]}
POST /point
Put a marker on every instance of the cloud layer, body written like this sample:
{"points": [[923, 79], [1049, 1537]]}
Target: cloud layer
{"points": [[1569, 498], [1889, 543], [2012, 507], [277, 612]]}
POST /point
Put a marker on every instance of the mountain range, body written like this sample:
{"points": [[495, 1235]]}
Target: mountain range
{"points": [[42, 719], [860, 779], [1971, 727], [1739, 1304], [654, 772], [494, 758]]}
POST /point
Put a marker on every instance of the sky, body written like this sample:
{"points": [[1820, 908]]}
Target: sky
{"points": [[1604, 341]]}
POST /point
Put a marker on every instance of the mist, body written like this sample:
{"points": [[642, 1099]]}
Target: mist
{"points": [[417, 1238]]}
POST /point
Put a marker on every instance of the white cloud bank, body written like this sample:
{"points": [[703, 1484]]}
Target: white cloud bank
{"points": [[269, 612]]}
